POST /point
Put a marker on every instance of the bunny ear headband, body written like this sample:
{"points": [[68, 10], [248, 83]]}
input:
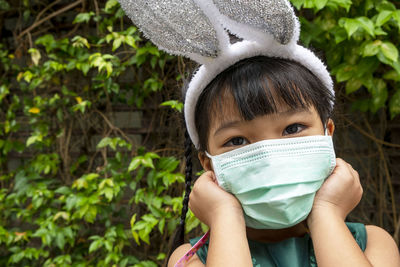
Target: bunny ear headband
{"points": [[198, 29]]}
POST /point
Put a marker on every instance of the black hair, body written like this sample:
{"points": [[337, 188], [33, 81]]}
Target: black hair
{"points": [[257, 85]]}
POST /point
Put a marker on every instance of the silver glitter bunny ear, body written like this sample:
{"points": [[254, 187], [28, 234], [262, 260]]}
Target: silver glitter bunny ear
{"points": [[253, 20], [178, 27], [198, 29]]}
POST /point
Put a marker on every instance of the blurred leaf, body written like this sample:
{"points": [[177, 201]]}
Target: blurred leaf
{"points": [[34, 110], [353, 85], [383, 17], [177, 105], [35, 55], [83, 17], [390, 51], [379, 94], [394, 104], [110, 4], [372, 48]]}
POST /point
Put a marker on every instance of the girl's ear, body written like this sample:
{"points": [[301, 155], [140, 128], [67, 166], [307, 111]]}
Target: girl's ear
{"points": [[330, 126], [205, 161]]}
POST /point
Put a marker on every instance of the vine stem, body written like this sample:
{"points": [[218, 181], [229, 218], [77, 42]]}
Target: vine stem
{"points": [[113, 127], [387, 173], [373, 138], [58, 12], [46, 8]]}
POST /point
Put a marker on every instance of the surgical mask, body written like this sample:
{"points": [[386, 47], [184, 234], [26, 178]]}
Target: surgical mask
{"points": [[276, 180]]}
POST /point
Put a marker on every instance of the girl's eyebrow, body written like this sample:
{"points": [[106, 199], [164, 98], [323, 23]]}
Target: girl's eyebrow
{"points": [[227, 124], [292, 111]]}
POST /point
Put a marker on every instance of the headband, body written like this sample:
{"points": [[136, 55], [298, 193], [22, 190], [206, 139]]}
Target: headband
{"points": [[199, 30]]}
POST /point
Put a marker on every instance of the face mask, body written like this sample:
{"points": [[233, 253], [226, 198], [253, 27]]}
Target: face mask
{"points": [[276, 180]]}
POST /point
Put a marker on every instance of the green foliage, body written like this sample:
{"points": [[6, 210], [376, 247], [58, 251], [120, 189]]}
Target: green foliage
{"points": [[360, 40], [177, 105], [64, 206]]}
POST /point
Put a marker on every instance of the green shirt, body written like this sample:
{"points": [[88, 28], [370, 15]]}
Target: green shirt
{"points": [[292, 252]]}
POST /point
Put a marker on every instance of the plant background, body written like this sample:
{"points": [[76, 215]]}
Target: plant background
{"points": [[91, 130]]}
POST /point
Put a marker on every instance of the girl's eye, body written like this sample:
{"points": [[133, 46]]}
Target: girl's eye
{"points": [[293, 129], [236, 141]]}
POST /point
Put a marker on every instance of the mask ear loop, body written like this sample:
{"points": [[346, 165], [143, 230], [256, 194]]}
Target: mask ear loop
{"points": [[326, 129]]}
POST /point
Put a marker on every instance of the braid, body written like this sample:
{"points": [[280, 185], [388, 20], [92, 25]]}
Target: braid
{"points": [[179, 235], [188, 177]]}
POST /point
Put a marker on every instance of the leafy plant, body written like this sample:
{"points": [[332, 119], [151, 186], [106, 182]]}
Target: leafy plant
{"points": [[360, 40], [70, 203]]}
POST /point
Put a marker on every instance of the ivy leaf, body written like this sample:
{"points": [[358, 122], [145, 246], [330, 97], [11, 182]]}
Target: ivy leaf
{"points": [[340, 3], [135, 163], [148, 162], [353, 85], [367, 25], [130, 41], [110, 5], [344, 73], [320, 4], [383, 17], [392, 75], [60, 240], [174, 104], [385, 5], [35, 55], [95, 245], [117, 43], [350, 25], [83, 17], [34, 110], [394, 104], [396, 17], [372, 48], [390, 51], [379, 94], [340, 35], [79, 41], [47, 41], [106, 141], [297, 3], [161, 225], [161, 256]]}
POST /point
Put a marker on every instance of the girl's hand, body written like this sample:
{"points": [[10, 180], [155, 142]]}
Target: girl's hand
{"points": [[210, 203], [340, 193]]}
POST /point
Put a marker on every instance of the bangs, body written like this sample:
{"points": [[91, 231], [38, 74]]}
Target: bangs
{"points": [[260, 86]]}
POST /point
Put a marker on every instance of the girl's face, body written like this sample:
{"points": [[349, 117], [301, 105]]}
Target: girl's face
{"points": [[228, 130]]}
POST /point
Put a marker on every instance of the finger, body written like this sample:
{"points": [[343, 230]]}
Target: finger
{"points": [[208, 175], [340, 162]]}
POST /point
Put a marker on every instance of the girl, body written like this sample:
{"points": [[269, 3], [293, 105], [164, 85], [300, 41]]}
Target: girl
{"points": [[258, 99], [259, 111]]}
